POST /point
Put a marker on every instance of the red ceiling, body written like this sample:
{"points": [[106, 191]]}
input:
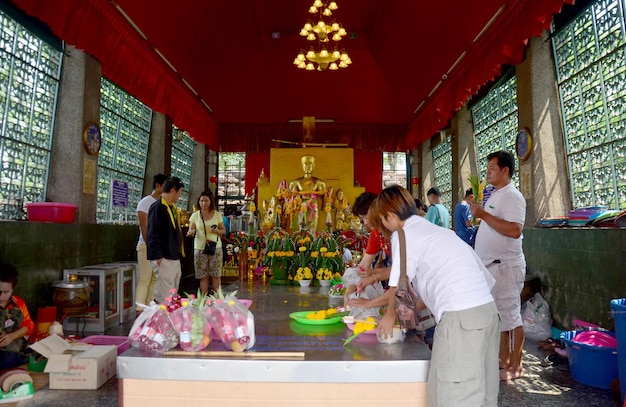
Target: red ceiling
{"points": [[225, 51]]}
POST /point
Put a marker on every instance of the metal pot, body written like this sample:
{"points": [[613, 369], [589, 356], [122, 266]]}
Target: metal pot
{"points": [[70, 297]]}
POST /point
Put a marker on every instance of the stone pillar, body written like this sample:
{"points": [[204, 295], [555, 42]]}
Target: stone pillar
{"points": [[155, 161], [464, 161], [198, 174], [544, 178], [73, 171]]}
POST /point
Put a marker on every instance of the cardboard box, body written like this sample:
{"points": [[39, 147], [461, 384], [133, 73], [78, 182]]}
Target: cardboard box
{"points": [[77, 365]]}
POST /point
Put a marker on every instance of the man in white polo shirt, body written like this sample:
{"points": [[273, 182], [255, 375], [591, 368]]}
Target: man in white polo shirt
{"points": [[146, 279], [499, 245]]}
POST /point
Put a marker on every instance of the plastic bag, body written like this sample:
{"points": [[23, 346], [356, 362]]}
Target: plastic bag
{"points": [[153, 330], [233, 323], [536, 318], [193, 327], [352, 277]]}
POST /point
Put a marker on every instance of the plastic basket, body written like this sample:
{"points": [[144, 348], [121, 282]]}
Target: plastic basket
{"points": [[591, 365], [618, 311], [57, 212], [120, 341]]}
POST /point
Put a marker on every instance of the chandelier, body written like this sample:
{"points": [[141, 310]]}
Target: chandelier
{"points": [[324, 33]]}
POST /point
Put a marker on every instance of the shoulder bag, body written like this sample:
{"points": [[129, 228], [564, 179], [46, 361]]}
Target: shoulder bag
{"points": [[209, 246], [406, 301]]}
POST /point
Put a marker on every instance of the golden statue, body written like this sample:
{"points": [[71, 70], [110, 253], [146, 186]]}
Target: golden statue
{"points": [[307, 190], [308, 184], [340, 204]]}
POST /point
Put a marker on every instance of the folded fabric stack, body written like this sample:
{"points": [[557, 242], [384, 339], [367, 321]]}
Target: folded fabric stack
{"points": [[552, 222], [605, 219], [580, 216]]}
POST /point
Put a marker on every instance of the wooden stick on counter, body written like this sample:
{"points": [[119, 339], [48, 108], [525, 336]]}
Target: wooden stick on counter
{"points": [[244, 355]]}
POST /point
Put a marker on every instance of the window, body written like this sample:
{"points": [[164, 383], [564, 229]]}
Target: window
{"points": [[30, 70], [125, 126], [495, 124], [591, 75], [182, 163], [442, 163], [394, 169], [231, 180]]}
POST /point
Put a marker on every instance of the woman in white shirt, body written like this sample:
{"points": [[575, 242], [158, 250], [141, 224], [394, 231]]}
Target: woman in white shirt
{"points": [[452, 282]]}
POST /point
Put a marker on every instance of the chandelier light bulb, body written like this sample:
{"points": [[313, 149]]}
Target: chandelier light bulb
{"points": [[323, 32]]}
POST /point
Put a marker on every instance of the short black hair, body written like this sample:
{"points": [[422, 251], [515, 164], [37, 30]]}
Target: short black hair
{"points": [[158, 179], [172, 183], [469, 192], [362, 203], [505, 159], [420, 204], [433, 190], [8, 274], [230, 209]]}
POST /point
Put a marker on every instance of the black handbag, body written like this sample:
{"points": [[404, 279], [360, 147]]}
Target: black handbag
{"points": [[209, 246]]}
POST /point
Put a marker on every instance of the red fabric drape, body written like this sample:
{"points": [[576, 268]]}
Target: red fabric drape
{"points": [[503, 44], [126, 59], [130, 62]]}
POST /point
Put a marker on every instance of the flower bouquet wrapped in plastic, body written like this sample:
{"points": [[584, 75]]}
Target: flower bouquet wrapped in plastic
{"points": [[153, 330], [233, 323]]}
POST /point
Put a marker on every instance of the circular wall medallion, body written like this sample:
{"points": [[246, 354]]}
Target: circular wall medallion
{"points": [[523, 144], [92, 139]]}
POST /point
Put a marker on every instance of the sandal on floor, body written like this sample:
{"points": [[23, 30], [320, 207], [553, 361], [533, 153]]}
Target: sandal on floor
{"points": [[548, 344]]}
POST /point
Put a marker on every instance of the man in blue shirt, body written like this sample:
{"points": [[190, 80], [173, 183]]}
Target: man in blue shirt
{"points": [[437, 213], [463, 219]]}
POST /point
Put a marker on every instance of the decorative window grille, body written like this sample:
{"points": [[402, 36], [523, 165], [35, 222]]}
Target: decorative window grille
{"points": [[496, 124], [182, 164], [442, 162], [394, 169], [30, 70], [231, 187], [591, 75], [125, 127]]}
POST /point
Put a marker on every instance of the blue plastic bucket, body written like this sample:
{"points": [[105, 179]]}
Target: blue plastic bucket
{"points": [[618, 311], [591, 365]]}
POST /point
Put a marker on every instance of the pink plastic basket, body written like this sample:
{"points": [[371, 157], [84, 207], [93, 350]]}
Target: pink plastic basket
{"points": [[120, 341]]}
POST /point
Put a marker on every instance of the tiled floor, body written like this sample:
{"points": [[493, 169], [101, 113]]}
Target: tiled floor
{"points": [[542, 386]]}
